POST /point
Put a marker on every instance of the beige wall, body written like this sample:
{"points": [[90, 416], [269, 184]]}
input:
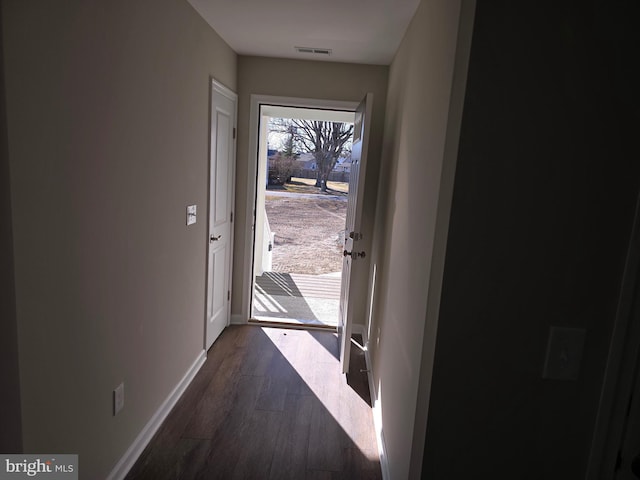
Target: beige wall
{"points": [[108, 118], [422, 118], [305, 79]]}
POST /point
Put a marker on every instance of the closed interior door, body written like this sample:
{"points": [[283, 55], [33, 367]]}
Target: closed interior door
{"points": [[221, 168]]}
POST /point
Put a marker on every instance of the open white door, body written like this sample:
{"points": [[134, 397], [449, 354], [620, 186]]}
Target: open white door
{"points": [[352, 254], [221, 183]]}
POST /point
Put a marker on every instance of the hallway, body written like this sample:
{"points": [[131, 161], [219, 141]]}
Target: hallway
{"points": [[268, 403]]}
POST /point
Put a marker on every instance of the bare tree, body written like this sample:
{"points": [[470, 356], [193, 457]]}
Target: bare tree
{"points": [[326, 140]]}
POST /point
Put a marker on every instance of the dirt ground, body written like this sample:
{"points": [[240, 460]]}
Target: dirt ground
{"points": [[308, 233]]}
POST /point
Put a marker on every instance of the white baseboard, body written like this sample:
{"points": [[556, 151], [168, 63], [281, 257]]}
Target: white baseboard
{"points": [[236, 319], [382, 446], [144, 437], [377, 412]]}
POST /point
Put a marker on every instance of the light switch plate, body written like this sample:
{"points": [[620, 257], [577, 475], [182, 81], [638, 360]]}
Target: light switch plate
{"points": [[564, 353], [191, 214]]}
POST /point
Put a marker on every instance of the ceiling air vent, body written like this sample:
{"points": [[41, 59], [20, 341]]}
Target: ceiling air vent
{"points": [[315, 51]]}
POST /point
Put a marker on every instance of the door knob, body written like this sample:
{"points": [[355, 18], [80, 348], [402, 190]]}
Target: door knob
{"points": [[215, 239], [354, 255]]}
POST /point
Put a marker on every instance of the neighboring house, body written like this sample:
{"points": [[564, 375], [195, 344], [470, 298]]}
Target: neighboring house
{"points": [[307, 161], [343, 164], [500, 199]]}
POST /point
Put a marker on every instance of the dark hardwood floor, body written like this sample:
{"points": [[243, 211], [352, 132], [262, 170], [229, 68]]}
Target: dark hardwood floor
{"points": [[269, 403]]}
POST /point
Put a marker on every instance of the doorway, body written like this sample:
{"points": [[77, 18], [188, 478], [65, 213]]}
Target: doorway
{"points": [[302, 188], [354, 263]]}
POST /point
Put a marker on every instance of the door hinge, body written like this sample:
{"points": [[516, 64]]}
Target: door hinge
{"points": [[231, 220], [228, 295], [234, 133]]}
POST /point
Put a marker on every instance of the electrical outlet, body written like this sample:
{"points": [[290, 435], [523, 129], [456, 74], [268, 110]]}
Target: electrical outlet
{"points": [[118, 399]]}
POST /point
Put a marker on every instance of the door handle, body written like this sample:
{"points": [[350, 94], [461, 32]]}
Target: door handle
{"points": [[354, 255], [214, 239]]}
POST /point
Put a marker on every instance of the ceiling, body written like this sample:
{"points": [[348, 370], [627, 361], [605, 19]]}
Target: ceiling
{"points": [[356, 31]]}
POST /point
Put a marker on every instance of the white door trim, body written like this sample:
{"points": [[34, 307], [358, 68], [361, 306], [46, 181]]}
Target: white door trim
{"points": [[222, 89], [252, 165]]}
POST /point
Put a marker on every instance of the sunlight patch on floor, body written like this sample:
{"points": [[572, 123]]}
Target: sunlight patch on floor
{"points": [[322, 375]]}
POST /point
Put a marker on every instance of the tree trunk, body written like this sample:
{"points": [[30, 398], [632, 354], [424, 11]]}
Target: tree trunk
{"points": [[319, 164], [325, 179]]}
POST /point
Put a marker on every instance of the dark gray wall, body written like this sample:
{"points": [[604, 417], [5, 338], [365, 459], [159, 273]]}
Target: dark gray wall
{"points": [[11, 432], [545, 189]]}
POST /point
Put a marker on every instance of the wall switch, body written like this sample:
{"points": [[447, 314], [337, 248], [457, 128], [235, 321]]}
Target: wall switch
{"points": [[191, 214], [118, 399], [564, 353]]}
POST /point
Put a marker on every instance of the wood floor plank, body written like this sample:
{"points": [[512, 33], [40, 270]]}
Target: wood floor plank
{"points": [[181, 415], [231, 440], [218, 399], [168, 437], [302, 362], [328, 341], [291, 446], [269, 403], [318, 475], [258, 353], [276, 383], [244, 336], [180, 461], [259, 434], [357, 465], [325, 440], [354, 407]]}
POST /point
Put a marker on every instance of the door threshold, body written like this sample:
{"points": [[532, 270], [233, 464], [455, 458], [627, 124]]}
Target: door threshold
{"points": [[292, 323]]}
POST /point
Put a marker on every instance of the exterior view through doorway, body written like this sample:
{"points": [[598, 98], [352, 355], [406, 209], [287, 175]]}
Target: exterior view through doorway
{"points": [[354, 265], [304, 165]]}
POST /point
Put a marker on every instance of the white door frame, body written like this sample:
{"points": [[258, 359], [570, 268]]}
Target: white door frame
{"points": [[252, 173], [219, 87]]}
